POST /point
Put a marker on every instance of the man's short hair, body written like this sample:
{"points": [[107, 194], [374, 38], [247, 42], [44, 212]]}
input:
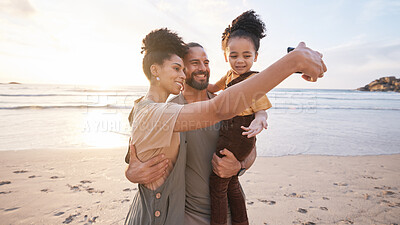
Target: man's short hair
{"points": [[194, 44]]}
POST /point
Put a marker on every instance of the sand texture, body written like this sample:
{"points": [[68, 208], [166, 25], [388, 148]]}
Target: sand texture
{"points": [[89, 186]]}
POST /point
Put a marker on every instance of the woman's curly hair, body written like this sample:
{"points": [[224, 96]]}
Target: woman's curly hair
{"points": [[160, 45], [248, 25]]}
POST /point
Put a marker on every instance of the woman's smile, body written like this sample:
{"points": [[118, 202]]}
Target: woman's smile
{"points": [[180, 84]]}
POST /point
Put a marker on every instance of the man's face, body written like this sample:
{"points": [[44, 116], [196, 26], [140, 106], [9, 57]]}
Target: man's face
{"points": [[196, 68]]}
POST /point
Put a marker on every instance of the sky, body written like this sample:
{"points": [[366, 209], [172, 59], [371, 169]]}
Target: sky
{"points": [[97, 42]]}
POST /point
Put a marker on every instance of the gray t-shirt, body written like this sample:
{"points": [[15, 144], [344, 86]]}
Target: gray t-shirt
{"points": [[201, 145]]}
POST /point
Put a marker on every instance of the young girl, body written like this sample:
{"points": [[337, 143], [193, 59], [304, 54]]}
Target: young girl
{"points": [[240, 43]]}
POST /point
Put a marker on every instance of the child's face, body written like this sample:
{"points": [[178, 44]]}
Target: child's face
{"points": [[240, 54]]}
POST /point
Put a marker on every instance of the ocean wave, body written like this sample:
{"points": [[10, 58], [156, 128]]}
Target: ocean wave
{"points": [[361, 99], [333, 108], [300, 96], [114, 106], [33, 95], [270, 96], [64, 95], [130, 89], [90, 90], [108, 106]]}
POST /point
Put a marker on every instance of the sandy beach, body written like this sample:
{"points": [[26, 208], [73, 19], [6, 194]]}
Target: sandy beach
{"points": [[88, 186]]}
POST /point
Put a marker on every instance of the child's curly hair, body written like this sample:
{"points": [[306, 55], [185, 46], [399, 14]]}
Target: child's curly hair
{"points": [[160, 45], [247, 25]]}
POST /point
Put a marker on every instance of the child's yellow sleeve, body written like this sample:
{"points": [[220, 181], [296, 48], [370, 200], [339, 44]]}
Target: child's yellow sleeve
{"points": [[222, 83], [262, 103]]}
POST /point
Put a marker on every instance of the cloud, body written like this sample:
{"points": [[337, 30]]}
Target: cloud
{"points": [[197, 20], [16, 23], [378, 8], [353, 65], [367, 52], [17, 7]]}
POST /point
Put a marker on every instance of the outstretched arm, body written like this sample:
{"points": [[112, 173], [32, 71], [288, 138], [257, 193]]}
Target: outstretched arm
{"points": [[239, 97]]}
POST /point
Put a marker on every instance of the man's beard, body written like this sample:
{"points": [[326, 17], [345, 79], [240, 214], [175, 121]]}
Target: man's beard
{"points": [[197, 85]]}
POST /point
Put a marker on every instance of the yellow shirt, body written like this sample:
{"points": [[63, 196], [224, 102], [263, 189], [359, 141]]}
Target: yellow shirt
{"points": [[262, 103]]}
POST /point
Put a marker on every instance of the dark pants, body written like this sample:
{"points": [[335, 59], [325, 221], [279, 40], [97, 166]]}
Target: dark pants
{"points": [[224, 190]]}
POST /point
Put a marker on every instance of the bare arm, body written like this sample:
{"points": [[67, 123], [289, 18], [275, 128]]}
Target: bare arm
{"points": [[229, 166], [261, 115], [213, 88], [145, 172], [239, 97], [257, 125]]}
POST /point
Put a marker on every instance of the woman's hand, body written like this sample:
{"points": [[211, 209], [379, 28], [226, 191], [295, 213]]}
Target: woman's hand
{"points": [[145, 172], [311, 64]]}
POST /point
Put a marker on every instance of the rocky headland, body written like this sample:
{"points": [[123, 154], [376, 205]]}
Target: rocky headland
{"points": [[382, 84]]}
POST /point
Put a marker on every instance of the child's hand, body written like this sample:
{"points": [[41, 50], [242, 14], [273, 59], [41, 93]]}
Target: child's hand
{"points": [[256, 126]]}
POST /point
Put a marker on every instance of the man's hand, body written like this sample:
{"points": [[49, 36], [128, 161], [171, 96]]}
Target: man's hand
{"points": [[227, 166], [145, 172]]}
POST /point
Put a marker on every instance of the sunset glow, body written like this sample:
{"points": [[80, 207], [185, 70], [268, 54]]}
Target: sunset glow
{"points": [[98, 42]]}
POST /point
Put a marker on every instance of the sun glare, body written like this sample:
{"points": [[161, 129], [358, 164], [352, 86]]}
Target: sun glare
{"points": [[104, 129]]}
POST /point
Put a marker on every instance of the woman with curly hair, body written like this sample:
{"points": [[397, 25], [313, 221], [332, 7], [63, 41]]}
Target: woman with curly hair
{"points": [[156, 124]]}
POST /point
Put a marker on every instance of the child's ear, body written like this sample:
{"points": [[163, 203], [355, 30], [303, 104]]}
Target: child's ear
{"points": [[255, 58], [226, 59]]}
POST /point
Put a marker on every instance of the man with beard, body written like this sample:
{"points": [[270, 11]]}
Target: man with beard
{"points": [[201, 145]]}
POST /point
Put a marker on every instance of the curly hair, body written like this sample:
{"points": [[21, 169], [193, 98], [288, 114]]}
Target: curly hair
{"points": [[247, 25], [158, 46]]}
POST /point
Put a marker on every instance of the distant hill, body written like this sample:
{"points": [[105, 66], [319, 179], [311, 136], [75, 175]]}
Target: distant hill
{"points": [[14, 83], [382, 84]]}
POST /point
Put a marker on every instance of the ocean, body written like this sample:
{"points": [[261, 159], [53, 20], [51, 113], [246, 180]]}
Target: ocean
{"points": [[301, 121]]}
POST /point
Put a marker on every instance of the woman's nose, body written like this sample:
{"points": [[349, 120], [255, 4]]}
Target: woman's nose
{"points": [[182, 75]]}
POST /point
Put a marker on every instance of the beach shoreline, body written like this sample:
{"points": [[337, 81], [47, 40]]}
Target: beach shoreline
{"points": [[85, 186]]}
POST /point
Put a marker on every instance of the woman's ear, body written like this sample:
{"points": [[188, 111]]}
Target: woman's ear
{"points": [[226, 58], [154, 70], [255, 58]]}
